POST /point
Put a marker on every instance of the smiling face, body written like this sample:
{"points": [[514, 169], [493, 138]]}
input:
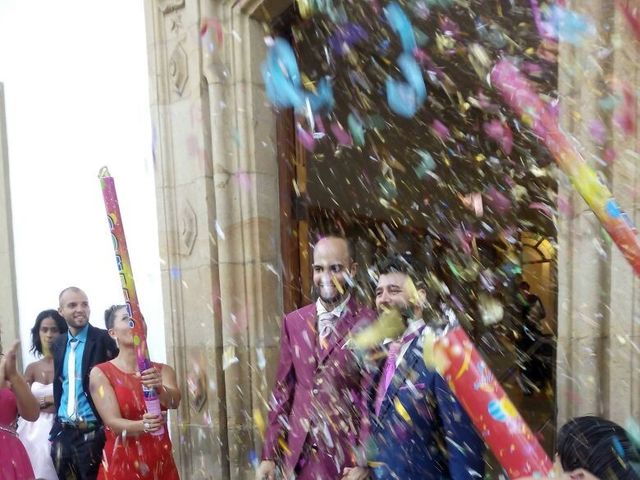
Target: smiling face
{"points": [[74, 308], [396, 290], [332, 266]]}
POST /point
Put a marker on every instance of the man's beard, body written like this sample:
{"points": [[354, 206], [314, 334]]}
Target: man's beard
{"points": [[334, 299], [406, 312]]}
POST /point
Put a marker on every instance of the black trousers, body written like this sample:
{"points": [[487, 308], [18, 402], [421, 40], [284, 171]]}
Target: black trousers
{"points": [[77, 453]]}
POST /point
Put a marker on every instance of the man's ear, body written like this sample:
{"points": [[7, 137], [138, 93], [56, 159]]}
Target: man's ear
{"points": [[422, 297], [412, 292], [353, 269]]}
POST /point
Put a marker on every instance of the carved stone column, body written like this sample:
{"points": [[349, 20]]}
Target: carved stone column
{"points": [[8, 295], [217, 189], [598, 330]]}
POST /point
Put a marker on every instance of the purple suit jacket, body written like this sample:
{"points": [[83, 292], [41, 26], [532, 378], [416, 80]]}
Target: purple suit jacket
{"points": [[317, 397]]}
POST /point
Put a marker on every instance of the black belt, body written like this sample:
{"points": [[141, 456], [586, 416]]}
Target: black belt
{"points": [[80, 426]]}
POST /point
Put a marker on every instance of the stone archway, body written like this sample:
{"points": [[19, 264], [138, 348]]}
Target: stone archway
{"points": [[218, 208]]}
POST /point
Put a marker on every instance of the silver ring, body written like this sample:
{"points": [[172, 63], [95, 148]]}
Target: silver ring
{"points": [[146, 426]]}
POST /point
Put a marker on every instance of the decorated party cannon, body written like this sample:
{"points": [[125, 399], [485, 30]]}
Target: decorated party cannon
{"points": [[152, 402], [522, 98], [495, 417]]}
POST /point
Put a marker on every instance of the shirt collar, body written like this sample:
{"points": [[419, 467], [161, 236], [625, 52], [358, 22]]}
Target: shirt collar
{"points": [[81, 336], [414, 325], [337, 311]]}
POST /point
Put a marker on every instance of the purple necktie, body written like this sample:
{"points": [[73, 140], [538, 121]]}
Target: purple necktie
{"points": [[387, 374], [326, 324]]}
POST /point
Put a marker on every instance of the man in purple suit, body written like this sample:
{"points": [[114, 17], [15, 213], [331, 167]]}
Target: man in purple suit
{"points": [[313, 429]]}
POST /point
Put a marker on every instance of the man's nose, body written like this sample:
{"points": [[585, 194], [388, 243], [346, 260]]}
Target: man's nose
{"points": [[327, 277], [384, 296]]}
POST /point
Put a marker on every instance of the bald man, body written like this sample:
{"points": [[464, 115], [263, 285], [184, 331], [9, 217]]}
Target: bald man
{"points": [[77, 435], [314, 418]]}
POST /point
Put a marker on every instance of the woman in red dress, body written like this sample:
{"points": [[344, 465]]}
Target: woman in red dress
{"points": [[131, 450]]}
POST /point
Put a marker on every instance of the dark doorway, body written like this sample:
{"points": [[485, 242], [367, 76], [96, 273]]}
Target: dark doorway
{"points": [[478, 215]]}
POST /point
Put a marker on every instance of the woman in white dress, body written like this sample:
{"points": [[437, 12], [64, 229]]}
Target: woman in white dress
{"points": [[35, 435]]}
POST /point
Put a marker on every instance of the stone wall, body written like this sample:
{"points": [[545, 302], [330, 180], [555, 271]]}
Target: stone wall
{"points": [[8, 295], [218, 210], [598, 327]]}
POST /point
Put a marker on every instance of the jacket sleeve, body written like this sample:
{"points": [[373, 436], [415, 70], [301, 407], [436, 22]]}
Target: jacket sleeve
{"points": [[364, 408], [58, 355], [464, 446], [281, 396]]}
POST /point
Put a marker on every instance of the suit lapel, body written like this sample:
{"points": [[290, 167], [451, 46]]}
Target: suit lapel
{"points": [[60, 351], [407, 364], [306, 337], [88, 352]]}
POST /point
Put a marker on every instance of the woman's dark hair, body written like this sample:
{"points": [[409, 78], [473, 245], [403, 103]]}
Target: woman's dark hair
{"points": [[36, 343], [599, 446], [109, 315]]}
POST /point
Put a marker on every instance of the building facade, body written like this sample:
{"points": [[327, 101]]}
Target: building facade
{"points": [[224, 177]]}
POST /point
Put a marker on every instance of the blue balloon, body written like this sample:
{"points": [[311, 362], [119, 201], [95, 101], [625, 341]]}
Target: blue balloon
{"points": [[405, 98], [496, 411], [283, 83], [613, 209], [401, 26]]}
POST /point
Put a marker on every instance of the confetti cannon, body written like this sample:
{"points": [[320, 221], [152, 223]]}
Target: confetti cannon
{"points": [[495, 417], [136, 321], [519, 94]]}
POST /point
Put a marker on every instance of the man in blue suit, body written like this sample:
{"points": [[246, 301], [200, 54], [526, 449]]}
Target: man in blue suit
{"points": [[418, 430]]}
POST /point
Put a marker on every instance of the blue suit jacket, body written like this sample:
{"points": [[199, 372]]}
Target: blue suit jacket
{"points": [[100, 348], [422, 431]]}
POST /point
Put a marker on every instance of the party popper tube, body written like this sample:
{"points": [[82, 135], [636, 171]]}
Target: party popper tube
{"points": [[520, 95], [632, 16], [494, 416], [151, 400]]}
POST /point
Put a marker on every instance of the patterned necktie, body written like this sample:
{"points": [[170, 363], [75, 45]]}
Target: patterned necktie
{"points": [[326, 324], [387, 374], [71, 369]]}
